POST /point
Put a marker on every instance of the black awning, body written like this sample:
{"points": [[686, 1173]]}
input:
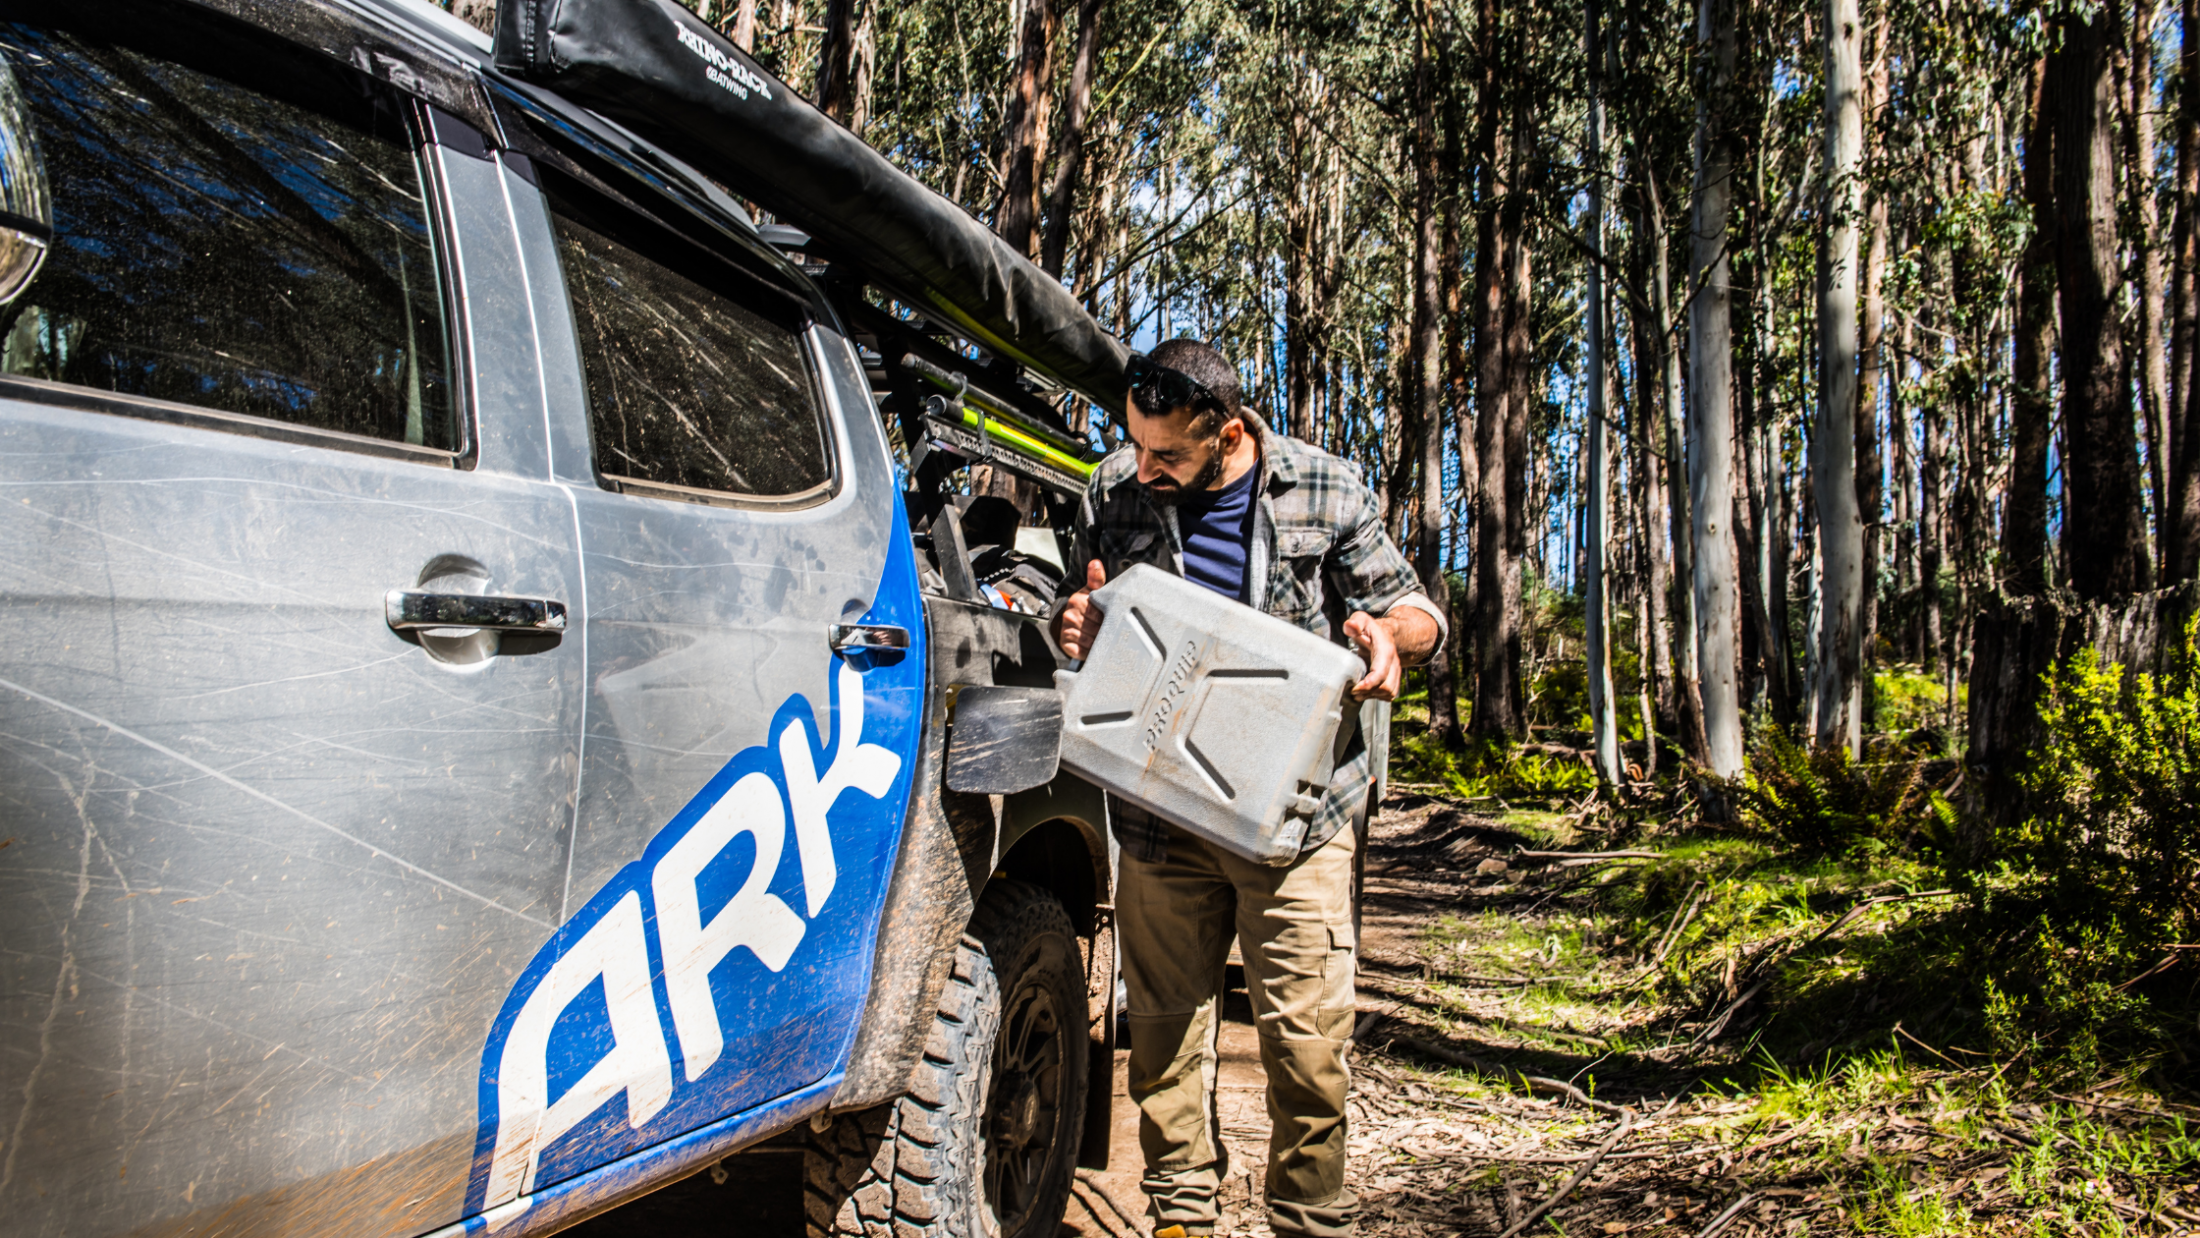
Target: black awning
{"points": [[657, 69]]}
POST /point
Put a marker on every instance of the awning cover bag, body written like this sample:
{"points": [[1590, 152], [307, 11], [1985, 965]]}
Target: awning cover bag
{"points": [[657, 69]]}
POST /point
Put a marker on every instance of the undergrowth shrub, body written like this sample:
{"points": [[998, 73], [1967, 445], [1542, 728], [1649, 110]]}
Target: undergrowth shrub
{"points": [[2103, 871], [1908, 702], [2114, 792], [1822, 801], [1485, 768]]}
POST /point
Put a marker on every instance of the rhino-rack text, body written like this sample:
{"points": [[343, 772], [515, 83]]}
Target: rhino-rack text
{"points": [[724, 70]]}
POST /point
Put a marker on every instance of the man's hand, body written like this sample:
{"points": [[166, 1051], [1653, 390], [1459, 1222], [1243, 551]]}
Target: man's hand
{"points": [[1079, 623], [1381, 641]]}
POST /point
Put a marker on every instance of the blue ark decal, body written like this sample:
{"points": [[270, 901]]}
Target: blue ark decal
{"points": [[718, 970]]}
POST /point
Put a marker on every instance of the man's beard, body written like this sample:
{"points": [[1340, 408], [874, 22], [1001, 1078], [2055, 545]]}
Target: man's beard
{"points": [[1169, 493]]}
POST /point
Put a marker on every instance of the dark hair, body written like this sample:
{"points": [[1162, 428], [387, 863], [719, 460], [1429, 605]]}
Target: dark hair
{"points": [[1202, 364]]}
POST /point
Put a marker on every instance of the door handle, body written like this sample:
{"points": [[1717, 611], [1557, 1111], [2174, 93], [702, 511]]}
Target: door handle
{"points": [[410, 610], [847, 636]]}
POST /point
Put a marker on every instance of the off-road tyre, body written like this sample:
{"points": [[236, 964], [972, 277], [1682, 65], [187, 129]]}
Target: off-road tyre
{"points": [[918, 1167]]}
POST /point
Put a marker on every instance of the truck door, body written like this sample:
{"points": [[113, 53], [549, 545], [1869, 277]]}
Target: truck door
{"points": [[754, 682], [268, 861]]}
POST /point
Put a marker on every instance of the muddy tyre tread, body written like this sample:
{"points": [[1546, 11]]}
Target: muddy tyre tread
{"points": [[909, 1168]]}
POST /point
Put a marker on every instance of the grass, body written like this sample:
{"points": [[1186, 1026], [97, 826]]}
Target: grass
{"points": [[1861, 1062]]}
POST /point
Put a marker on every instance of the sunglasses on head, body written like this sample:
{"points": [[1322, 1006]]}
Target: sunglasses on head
{"points": [[1160, 390]]}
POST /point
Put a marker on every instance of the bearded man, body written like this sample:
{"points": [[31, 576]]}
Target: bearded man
{"points": [[1204, 491]]}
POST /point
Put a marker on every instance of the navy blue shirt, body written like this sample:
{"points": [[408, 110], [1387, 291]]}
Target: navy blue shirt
{"points": [[1217, 526]]}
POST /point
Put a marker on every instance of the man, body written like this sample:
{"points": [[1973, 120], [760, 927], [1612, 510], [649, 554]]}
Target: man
{"points": [[1207, 493]]}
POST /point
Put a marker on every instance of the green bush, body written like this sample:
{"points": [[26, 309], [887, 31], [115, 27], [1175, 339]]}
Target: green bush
{"points": [[2114, 793], [1821, 801], [1907, 701], [2103, 871]]}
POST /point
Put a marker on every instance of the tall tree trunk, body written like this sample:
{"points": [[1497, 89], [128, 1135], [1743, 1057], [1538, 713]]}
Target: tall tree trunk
{"points": [[1497, 642], [2181, 541], [1711, 384], [1024, 128], [1760, 527], [1870, 463], [743, 33], [1870, 333], [2153, 357], [2104, 528], [1649, 438], [1427, 364], [1302, 231], [1521, 391], [1903, 467], [1688, 679], [1838, 709], [1932, 524], [835, 61], [1054, 249], [2024, 513], [1459, 386], [1597, 533]]}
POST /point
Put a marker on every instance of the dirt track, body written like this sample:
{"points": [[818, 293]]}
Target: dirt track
{"points": [[1424, 1159]]}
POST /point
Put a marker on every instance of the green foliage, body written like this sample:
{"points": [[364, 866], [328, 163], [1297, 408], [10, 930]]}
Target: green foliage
{"points": [[2114, 790], [1822, 801], [2103, 871], [1485, 770], [1906, 700]]}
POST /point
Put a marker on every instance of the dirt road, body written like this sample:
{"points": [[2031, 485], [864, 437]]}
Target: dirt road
{"points": [[1432, 1153]]}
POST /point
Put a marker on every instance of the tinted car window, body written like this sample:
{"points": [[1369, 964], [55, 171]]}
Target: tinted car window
{"points": [[255, 244], [696, 376]]}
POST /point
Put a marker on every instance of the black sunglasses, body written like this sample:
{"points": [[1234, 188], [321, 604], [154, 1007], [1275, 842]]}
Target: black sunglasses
{"points": [[1160, 390]]}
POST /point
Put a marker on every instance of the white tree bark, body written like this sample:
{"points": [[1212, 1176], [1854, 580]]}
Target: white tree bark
{"points": [[1711, 386], [1598, 628], [1838, 688]]}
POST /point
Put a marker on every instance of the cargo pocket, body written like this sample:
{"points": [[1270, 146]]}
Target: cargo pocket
{"points": [[1340, 996]]}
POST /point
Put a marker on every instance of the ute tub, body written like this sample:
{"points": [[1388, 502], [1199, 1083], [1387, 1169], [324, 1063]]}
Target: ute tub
{"points": [[1208, 713]]}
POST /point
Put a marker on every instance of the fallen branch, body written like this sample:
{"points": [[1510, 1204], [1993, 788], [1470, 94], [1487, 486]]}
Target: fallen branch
{"points": [[1854, 912], [1712, 1029], [1626, 1124], [1539, 1083], [1590, 855], [1681, 921], [1092, 1183], [1759, 966], [1719, 1222], [1767, 1145]]}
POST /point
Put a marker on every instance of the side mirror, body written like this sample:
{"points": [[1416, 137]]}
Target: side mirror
{"points": [[26, 205]]}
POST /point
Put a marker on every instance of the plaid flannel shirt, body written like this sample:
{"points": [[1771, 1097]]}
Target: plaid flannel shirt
{"points": [[1319, 553]]}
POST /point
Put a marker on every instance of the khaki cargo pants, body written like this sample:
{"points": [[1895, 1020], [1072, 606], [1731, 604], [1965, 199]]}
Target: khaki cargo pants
{"points": [[1294, 931]]}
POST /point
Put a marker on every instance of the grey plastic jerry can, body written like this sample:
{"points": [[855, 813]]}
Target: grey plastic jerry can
{"points": [[1207, 713]]}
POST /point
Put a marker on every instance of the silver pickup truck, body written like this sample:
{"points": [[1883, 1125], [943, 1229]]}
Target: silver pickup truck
{"points": [[498, 713]]}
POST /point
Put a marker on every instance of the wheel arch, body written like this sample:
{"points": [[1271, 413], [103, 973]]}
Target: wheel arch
{"points": [[1056, 837]]}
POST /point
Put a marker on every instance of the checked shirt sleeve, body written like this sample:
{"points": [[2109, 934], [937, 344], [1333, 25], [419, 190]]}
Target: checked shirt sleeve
{"points": [[1365, 568]]}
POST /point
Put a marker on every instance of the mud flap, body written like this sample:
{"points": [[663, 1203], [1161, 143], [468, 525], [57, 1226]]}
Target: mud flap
{"points": [[1100, 990]]}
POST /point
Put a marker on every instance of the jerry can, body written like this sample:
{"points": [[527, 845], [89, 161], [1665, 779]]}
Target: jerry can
{"points": [[1208, 713]]}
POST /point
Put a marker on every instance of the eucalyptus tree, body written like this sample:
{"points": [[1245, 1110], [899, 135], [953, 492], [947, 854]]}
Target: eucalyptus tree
{"points": [[1596, 587], [1711, 379], [1839, 703]]}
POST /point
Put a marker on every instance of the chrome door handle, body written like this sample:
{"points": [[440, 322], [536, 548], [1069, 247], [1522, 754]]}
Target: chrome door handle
{"points": [[848, 636], [409, 610]]}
